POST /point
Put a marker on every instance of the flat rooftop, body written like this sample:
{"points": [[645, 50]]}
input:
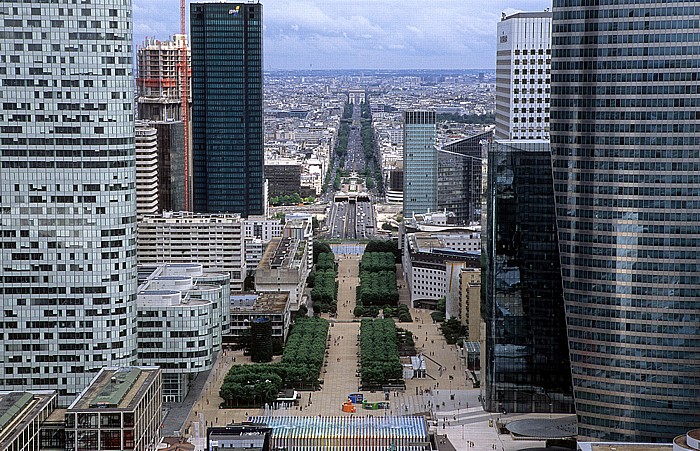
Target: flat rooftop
{"points": [[116, 388], [18, 409], [261, 302]]}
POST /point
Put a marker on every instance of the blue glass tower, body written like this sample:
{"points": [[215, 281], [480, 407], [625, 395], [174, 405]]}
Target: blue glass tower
{"points": [[227, 108], [626, 159], [420, 162]]}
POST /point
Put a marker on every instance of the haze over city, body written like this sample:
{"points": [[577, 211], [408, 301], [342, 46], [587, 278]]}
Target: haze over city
{"points": [[362, 34]]}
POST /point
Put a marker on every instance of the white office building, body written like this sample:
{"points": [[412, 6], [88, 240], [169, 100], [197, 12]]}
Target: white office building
{"points": [[146, 169], [67, 194], [213, 240], [180, 311], [523, 54]]}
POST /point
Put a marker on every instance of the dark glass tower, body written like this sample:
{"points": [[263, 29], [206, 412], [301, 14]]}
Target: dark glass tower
{"points": [[626, 159], [527, 361], [459, 182], [227, 108]]}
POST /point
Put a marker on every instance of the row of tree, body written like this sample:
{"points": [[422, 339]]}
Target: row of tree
{"points": [[324, 293], [257, 384], [378, 288], [400, 312], [378, 261], [325, 260], [384, 246], [290, 199], [324, 288], [488, 118], [374, 175], [453, 330], [379, 355]]}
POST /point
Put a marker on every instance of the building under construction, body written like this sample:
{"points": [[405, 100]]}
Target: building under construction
{"points": [[159, 80]]}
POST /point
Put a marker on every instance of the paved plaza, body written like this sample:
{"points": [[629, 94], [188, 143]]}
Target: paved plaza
{"points": [[446, 396]]}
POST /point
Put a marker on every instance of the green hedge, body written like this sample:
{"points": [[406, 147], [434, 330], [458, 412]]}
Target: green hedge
{"points": [[379, 354]]}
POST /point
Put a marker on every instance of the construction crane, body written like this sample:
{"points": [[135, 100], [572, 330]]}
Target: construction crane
{"points": [[185, 79]]}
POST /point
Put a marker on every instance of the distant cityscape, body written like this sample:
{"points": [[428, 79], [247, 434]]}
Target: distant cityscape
{"points": [[197, 253]]}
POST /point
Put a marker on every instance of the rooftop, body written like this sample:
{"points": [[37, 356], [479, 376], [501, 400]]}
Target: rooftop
{"points": [[281, 253], [116, 388], [17, 409], [261, 302]]}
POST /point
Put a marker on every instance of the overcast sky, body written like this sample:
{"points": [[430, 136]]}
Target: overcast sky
{"points": [[363, 34]]}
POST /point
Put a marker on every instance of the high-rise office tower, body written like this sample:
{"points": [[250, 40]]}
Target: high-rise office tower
{"points": [[227, 123], [522, 76], [159, 86], [419, 162], [526, 355], [459, 183], [67, 194], [626, 152], [146, 169]]}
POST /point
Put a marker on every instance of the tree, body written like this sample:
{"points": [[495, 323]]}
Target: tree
{"points": [[319, 248]]}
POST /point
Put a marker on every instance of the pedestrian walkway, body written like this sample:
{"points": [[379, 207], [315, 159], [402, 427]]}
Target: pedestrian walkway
{"points": [[446, 397]]}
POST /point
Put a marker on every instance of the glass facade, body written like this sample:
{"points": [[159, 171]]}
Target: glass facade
{"points": [[419, 163], [626, 160], [459, 184], [227, 108], [527, 361], [67, 193]]}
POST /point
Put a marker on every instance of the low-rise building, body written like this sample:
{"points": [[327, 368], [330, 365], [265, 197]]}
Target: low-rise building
{"points": [[21, 417], [434, 255], [470, 301], [216, 241], [180, 311], [284, 268], [121, 409], [239, 437], [247, 307]]}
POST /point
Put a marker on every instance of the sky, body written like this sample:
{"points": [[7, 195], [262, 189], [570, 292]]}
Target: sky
{"points": [[362, 34]]}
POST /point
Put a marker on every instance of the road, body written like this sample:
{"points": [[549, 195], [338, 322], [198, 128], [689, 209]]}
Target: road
{"points": [[355, 161]]}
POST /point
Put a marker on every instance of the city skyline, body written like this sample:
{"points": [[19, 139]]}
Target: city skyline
{"points": [[345, 34]]}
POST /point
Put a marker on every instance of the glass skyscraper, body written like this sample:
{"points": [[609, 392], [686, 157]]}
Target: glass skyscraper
{"points": [[420, 162], [227, 108], [67, 193], [459, 183], [527, 361], [626, 159]]}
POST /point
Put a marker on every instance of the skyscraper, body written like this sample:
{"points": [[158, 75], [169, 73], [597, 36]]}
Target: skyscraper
{"points": [[227, 123], [146, 169], [67, 194], [527, 361], [159, 83], [626, 153], [459, 183], [522, 76], [419, 162]]}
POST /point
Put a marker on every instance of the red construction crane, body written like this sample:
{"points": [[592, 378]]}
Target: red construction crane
{"points": [[184, 77]]}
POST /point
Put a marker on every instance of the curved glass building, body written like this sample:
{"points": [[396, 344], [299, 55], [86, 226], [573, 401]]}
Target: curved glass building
{"points": [[626, 158]]}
